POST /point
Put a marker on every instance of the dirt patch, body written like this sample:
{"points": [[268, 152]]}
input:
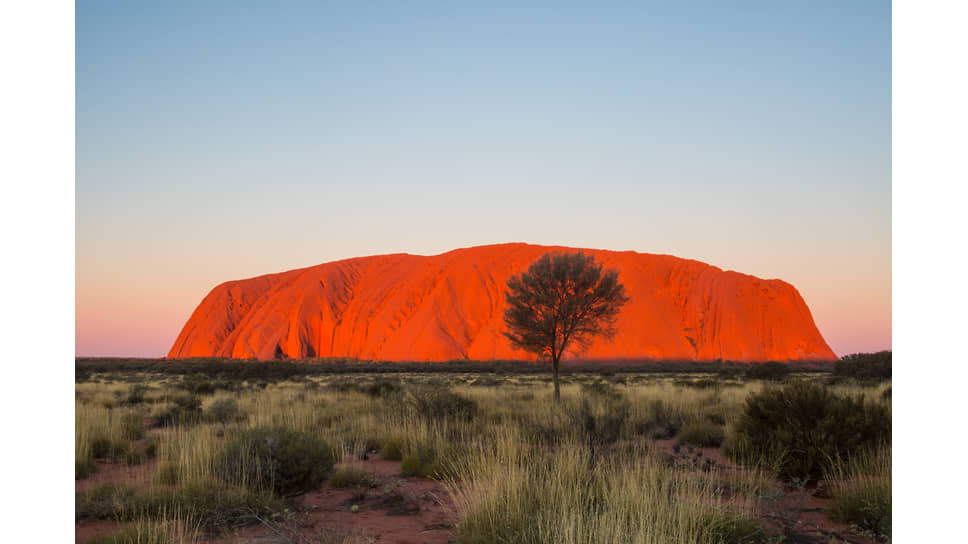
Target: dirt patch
{"points": [[390, 509], [83, 530]]}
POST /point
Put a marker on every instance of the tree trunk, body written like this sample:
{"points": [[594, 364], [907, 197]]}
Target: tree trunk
{"points": [[554, 371]]}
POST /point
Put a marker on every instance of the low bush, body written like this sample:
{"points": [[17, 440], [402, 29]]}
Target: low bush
{"points": [[104, 447], [601, 389], [702, 383], [660, 421], [84, 468], [166, 474], [864, 504], [223, 411], [437, 403], [151, 448], [701, 433], [132, 426], [725, 527], [382, 388], [771, 371], [601, 428], [392, 449], [186, 409], [800, 428], [212, 504], [136, 394], [282, 460], [865, 366], [349, 477], [420, 462]]}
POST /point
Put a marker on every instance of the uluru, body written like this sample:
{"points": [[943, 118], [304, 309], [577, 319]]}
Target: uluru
{"points": [[403, 307]]}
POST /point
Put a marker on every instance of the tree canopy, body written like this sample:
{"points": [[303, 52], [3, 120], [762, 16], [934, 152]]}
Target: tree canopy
{"points": [[562, 302]]}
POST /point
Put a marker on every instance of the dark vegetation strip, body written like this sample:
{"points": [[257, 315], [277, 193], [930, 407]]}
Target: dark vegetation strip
{"points": [[246, 369]]}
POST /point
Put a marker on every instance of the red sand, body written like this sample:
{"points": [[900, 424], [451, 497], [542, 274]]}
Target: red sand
{"points": [[450, 306]]}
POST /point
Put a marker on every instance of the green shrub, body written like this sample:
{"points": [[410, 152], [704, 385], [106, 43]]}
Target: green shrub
{"points": [[701, 433], [84, 468], [865, 504], [103, 447], [420, 462], [436, 403], [214, 505], [702, 383], [151, 448], [393, 447], [660, 421], [132, 426], [187, 409], [349, 477], [223, 411], [725, 527], [772, 370], [166, 474], [599, 429], [601, 389], [132, 457], [285, 461], [382, 388], [865, 366], [803, 426], [136, 394]]}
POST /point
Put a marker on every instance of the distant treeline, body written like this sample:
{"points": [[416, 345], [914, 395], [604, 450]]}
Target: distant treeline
{"points": [[240, 369], [876, 366]]}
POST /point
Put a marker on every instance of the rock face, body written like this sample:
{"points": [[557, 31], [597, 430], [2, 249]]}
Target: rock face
{"points": [[450, 306]]}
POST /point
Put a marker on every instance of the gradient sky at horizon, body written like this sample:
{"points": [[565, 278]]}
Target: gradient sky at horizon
{"points": [[222, 140]]}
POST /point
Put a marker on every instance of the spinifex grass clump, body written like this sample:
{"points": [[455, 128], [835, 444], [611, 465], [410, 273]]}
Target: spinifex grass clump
{"points": [[436, 403], [521, 494], [282, 460], [800, 428], [861, 492], [186, 409], [213, 504], [224, 411], [349, 477], [420, 462], [701, 433]]}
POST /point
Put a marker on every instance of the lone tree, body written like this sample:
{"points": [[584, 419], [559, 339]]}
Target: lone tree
{"points": [[563, 300]]}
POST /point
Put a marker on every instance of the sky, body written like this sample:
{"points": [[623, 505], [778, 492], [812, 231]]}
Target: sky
{"points": [[224, 140]]}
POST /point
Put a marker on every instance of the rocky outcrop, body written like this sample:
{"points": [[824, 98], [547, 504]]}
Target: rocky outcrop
{"points": [[450, 306]]}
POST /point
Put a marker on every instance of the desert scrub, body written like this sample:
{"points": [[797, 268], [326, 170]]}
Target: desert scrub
{"points": [[523, 495], [420, 462], [701, 433], [349, 477], [771, 371], [164, 531], [436, 404], [284, 461], [132, 426], [214, 505], [224, 411], [393, 447], [803, 426], [184, 409], [84, 467], [861, 492]]}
